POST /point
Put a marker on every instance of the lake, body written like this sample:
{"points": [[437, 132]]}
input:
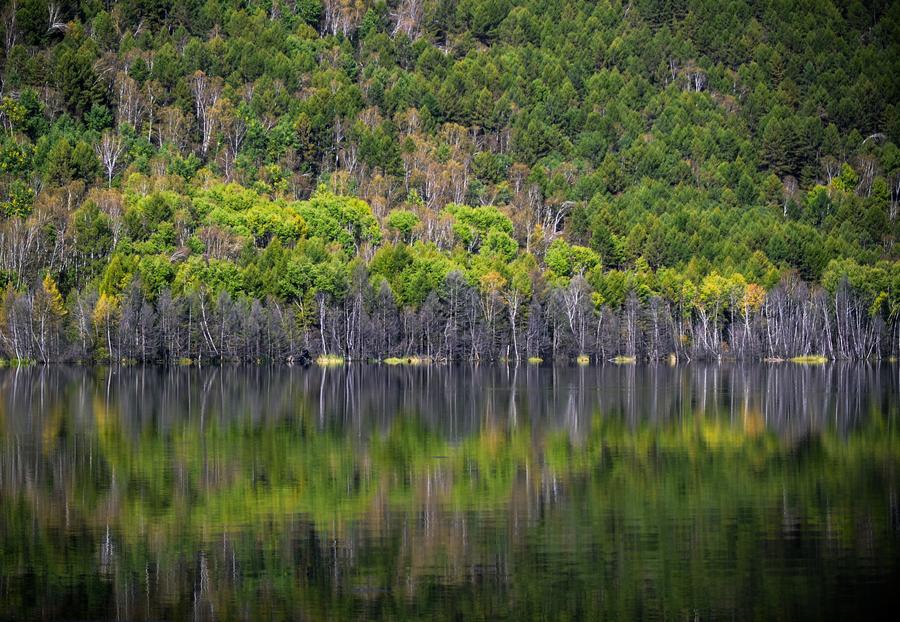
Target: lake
{"points": [[450, 492]]}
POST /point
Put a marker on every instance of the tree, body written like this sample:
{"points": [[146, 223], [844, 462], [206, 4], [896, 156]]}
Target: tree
{"points": [[105, 313], [18, 201], [233, 128], [408, 18], [47, 314], [712, 299], [74, 73], [346, 220], [343, 16], [403, 222], [517, 293], [206, 92], [471, 225], [577, 305], [131, 105], [109, 150], [491, 285]]}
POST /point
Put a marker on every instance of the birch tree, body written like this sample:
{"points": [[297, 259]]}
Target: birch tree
{"points": [[110, 150], [206, 93]]}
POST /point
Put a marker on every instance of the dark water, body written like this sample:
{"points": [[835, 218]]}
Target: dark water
{"points": [[450, 493]]}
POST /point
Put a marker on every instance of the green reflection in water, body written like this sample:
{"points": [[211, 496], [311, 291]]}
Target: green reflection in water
{"points": [[233, 511]]}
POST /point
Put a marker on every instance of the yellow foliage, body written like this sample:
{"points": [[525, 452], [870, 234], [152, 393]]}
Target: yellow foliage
{"points": [[54, 298], [754, 297], [492, 281], [106, 308]]}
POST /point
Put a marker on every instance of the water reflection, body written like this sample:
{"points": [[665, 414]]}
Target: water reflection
{"points": [[448, 492]]}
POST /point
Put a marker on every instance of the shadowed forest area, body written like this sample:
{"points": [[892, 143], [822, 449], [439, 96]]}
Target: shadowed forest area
{"points": [[227, 180]]}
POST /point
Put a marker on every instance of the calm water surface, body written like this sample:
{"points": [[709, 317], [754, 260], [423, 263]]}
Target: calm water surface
{"points": [[450, 493]]}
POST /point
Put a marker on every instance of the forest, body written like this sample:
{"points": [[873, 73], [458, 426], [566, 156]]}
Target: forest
{"points": [[269, 180]]}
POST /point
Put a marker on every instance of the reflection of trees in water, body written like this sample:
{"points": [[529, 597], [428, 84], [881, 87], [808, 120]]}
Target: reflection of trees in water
{"points": [[456, 401], [198, 490]]}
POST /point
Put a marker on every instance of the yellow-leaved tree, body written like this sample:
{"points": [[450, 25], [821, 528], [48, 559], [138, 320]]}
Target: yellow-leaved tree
{"points": [[105, 312], [48, 312]]}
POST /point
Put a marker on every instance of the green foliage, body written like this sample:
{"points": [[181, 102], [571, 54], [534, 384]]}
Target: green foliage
{"points": [[471, 225], [878, 285], [412, 272], [403, 222], [499, 244], [146, 214], [17, 201], [347, 221], [250, 215], [74, 75], [14, 158], [156, 272], [66, 162], [566, 260], [118, 274], [211, 276]]}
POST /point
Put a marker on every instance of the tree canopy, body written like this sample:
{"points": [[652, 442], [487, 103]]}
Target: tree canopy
{"points": [[324, 156]]}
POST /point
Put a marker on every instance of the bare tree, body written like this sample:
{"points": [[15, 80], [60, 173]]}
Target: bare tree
{"points": [[9, 26], [233, 128], [894, 181], [153, 92], [790, 188], [171, 127], [109, 150], [831, 166], [55, 23], [867, 168], [206, 92], [694, 76], [343, 16], [553, 217], [130, 102], [408, 18], [575, 298]]}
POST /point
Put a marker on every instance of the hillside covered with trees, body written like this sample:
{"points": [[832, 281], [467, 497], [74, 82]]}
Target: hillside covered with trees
{"points": [[249, 179]]}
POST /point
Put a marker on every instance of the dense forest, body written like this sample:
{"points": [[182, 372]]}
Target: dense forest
{"points": [[482, 179]]}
